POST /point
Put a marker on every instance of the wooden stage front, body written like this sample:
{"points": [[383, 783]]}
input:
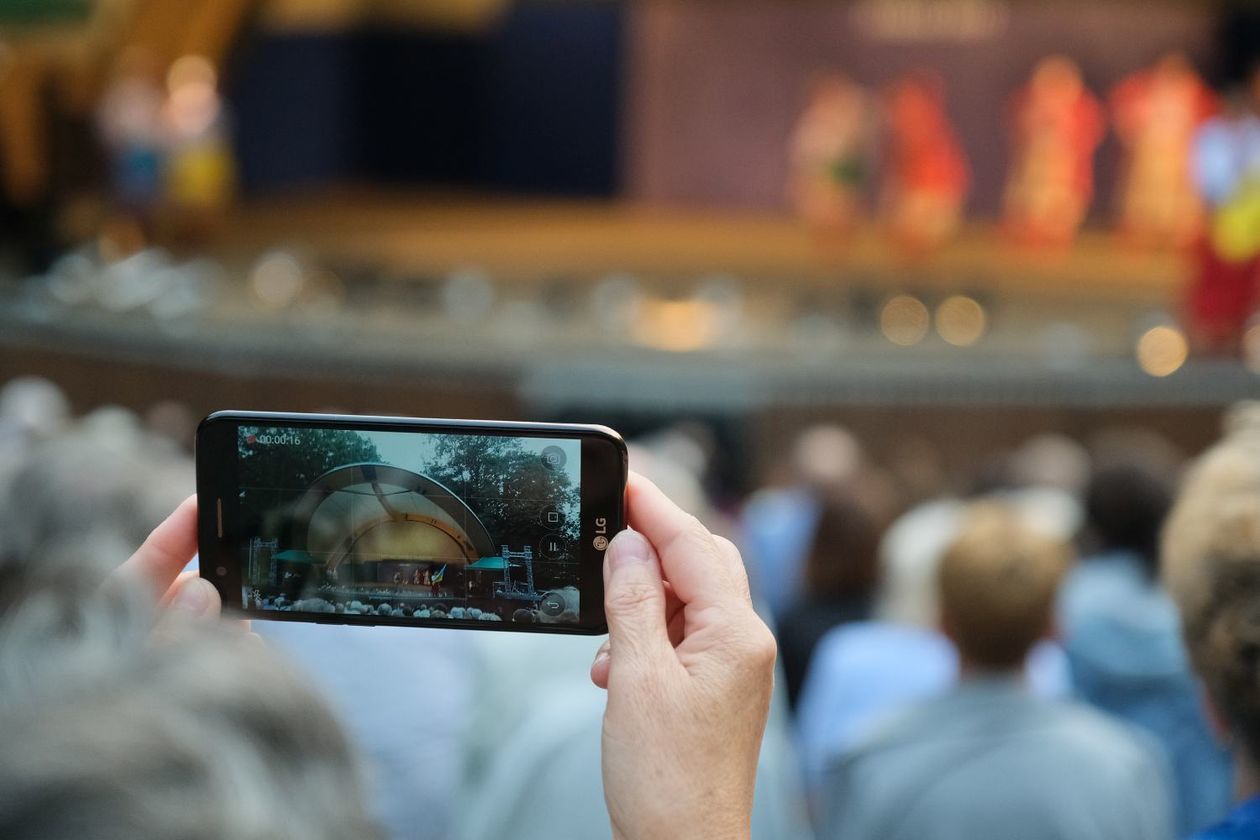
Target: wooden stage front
{"points": [[540, 240]]}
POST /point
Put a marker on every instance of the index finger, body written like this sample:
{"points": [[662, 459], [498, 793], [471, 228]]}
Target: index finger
{"points": [[167, 550], [700, 572]]}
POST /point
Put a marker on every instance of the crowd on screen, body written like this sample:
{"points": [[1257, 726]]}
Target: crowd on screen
{"points": [[1060, 644]]}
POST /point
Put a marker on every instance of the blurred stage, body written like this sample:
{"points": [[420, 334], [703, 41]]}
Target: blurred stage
{"points": [[598, 310], [533, 241]]}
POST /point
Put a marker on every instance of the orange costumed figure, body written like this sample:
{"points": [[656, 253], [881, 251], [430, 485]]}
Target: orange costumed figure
{"points": [[926, 177], [1157, 113], [1056, 127], [830, 156]]}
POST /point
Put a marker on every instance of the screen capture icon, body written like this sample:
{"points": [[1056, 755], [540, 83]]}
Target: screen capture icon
{"points": [[551, 518], [553, 457]]}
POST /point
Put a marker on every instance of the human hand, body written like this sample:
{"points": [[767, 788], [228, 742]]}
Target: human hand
{"points": [[689, 669], [158, 565]]}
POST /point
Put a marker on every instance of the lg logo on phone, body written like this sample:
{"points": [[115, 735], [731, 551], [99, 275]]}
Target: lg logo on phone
{"points": [[273, 440], [601, 533]]}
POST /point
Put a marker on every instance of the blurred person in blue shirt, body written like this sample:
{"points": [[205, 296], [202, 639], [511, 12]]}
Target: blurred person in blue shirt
{"points": [[1123, 640], [841, 572], [778, 523], [405, 700], [1210, 562], [863, 672], [990, 759]]}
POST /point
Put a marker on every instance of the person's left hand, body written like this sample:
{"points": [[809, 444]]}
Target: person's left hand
{"points": [[158, 565]]}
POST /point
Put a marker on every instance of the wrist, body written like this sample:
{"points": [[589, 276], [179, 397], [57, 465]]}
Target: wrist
{"points": [[687, 828]]}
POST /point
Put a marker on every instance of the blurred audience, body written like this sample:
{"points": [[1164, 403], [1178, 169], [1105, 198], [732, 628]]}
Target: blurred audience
{"points": [[778, 522], [105, 474], [31, 409], [1123, 636], [1211, 565], [120, 730], [863, 672], [407, 703], [989, 759], [841, 573], [918, 655]]}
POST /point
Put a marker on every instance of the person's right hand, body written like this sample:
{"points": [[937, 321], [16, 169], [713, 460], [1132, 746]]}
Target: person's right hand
{"points": [[689, 668]]}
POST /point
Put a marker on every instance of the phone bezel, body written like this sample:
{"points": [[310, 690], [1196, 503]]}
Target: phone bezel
{"points": [[603, 481]]}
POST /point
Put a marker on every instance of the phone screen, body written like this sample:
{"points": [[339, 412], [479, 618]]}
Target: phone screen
{"points": [[402, 526]]}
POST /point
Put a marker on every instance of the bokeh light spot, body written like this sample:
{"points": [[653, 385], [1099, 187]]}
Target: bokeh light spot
{"points": [[277, 280], [904, 320], [961, 321], [678, 326], [1162, 350]]}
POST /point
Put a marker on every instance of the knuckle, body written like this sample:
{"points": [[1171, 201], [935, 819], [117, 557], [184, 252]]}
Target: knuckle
{"points": [[630, 597], [739, 572], [757, 648], [726, 546], [692, 539], [749, 644], [765, 648], [696, 534], [695, 527]]}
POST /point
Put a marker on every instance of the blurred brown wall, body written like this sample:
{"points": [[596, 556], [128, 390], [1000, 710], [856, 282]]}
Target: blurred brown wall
{"points": [[714, 87]]}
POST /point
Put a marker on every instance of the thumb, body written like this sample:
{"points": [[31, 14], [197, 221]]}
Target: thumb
{"points": [[634, 601], [194, 597]]}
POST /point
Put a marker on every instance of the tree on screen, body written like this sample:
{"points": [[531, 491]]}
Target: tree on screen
{"points": [[289, 460], [506, 485]]}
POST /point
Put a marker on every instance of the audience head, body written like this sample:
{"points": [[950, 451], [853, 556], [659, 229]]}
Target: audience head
{"points": [[998, 582], [1051, 460], [105, 474], [843, 561], [32, 407], [825, 457], [1125, 505], [1211, 566], [673, 477], [122, 730]]}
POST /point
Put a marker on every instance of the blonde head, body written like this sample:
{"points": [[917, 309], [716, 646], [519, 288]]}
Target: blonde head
{"points": [[998, 582], [1210, 563]]}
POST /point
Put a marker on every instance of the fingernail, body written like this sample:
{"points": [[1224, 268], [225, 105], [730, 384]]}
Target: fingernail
{"points": [[628, 548], [601, 657], [193, 597]]}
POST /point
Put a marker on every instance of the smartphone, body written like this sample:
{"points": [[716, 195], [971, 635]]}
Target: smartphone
{"points": [[410, 522]]}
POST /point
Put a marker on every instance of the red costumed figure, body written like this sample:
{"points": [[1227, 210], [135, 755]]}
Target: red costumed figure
{"points": [[1226, 165], [926, 176], [1056, 126], [1156, 113]]}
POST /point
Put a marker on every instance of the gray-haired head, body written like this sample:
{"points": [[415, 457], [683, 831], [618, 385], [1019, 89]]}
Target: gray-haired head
{"points": [[102, 475], [116, 729]]}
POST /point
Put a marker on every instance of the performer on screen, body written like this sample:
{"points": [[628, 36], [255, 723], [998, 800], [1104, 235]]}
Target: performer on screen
{"points": [[1157, 112], [1056, 125], [926, 178]]}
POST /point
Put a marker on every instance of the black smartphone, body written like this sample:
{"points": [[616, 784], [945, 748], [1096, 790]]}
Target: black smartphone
{"points": [[402, 521]]}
